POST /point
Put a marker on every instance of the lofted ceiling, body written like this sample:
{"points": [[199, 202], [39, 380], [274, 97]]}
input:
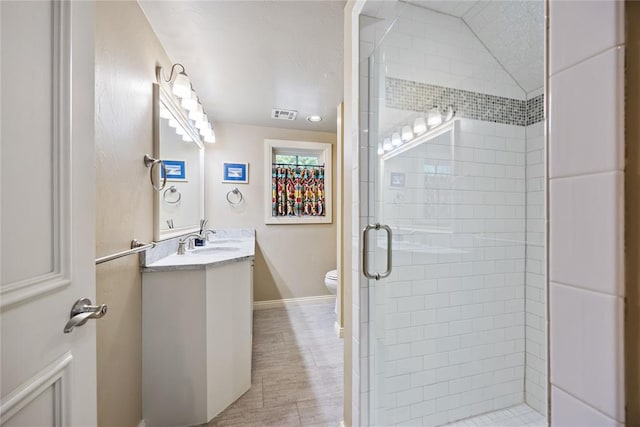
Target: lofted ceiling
{"points": [[246, 57], [513, 31]]}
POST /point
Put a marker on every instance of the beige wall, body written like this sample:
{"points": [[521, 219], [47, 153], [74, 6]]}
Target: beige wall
{"points": [[291, 260], [127, 52]]}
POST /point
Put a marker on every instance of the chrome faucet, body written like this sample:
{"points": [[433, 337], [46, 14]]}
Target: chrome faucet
{"points": [[206, 233], [187, 239]]}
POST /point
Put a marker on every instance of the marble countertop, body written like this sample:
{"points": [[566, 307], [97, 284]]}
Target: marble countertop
{"points": [[226, 247]]}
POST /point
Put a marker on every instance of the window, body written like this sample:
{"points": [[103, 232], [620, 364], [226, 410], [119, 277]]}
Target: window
{"points": [[296, 159], [297, 182]]}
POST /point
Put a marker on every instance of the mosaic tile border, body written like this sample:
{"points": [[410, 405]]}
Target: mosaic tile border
{"points": [[416, 96], [535, 109]]}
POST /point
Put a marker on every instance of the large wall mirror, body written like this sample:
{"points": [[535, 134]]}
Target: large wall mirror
{"points": [[179, 206], [420, 180]]}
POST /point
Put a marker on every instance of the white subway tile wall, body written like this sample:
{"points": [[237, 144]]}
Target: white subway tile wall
{"points": [[466, 301], [588, 149], [535, 279], [569, 411], [572, 38], [450, 320], [586, 204]]}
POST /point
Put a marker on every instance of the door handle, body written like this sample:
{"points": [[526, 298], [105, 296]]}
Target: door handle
{"points": [[82, 311], [365, 252]]}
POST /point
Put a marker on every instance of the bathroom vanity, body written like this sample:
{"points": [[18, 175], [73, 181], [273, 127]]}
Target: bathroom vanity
{"points": [[197, 329]]}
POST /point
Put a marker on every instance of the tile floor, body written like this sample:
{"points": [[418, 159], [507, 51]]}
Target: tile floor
{"points": [[296, 373], [516, 416]]}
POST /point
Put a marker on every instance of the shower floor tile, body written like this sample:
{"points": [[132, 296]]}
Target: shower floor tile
{"points": [[515, 416], [296, 371]]}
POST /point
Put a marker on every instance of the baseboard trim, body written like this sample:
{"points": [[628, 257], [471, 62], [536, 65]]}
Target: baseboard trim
{"points": [[338, 329], [276, 303], [142, 424]]}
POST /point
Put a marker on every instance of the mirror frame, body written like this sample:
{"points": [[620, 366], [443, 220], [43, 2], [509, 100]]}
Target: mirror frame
{"points": [[164, 96]]}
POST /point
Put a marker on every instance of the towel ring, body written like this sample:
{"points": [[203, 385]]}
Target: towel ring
{"points": [[150, 162], [172, 190], [237, 193]]}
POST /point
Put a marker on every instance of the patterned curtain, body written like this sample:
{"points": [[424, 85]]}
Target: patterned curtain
{"points": [[297, 191]]}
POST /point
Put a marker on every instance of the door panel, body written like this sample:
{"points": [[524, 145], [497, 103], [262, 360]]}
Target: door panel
{"points": [[447, 327], [47, 215], [33, 204]]}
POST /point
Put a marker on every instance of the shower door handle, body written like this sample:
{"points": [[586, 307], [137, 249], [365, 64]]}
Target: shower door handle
{"points": [[365, 251]]}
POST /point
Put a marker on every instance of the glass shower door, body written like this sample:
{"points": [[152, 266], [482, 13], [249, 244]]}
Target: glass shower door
{"points": [[447, 208], [416, 332]]}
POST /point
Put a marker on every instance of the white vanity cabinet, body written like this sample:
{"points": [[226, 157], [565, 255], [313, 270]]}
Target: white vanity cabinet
{"points": [[196, 341]]}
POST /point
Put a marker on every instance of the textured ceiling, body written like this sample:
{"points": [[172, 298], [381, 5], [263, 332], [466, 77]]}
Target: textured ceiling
{"points": [[450, 7], [513, 31], [246, 57]]}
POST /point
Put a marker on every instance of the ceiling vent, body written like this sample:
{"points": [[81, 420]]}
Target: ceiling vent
{"points": [[280, 114]]}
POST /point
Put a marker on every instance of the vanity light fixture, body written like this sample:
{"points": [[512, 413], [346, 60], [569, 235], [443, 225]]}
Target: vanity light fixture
{"points": [[314, 119], [210, 137], [196, 113], [419, 126], [181, 87], [422, 128], [190, 102], [205, 129], [396, 140], [448, 114], [407, 134], [203, 122], [434, 117]]}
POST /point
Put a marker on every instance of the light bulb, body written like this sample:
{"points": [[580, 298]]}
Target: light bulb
{"points": [[434, 118], [181, 85], [196, 114], [380, 149], [211, 138], [173, 123], [205, 130], [419, 126], [395, 139], [386, 144], [448, 115], [190, 102], [407, 134], [203, 121]]}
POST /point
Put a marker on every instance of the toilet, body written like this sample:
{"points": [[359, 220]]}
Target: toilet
{"points": [[331, 282]]}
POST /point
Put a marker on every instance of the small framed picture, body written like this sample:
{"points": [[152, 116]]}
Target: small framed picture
{"points": [[176, 170], [236, 172], [398, 180]]}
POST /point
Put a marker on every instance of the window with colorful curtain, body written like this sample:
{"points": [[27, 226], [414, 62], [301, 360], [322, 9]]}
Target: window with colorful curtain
{"points": [[297, 190]]}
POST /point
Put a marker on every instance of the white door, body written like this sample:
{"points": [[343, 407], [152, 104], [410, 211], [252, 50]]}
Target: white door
{"points": [[47, 212]]}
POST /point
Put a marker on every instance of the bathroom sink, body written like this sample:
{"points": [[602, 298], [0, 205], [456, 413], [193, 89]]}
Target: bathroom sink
{"points": [[215, 250], [215, 242]]}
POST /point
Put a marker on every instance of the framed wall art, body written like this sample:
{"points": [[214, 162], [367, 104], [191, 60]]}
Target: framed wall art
{"points": [[237, 173]]}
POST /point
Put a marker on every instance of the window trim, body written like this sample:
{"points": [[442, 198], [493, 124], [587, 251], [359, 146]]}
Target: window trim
{"points": [[324, 153]]}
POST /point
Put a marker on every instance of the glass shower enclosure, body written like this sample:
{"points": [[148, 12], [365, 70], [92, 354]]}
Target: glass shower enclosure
{"points": [[454, 236]]}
